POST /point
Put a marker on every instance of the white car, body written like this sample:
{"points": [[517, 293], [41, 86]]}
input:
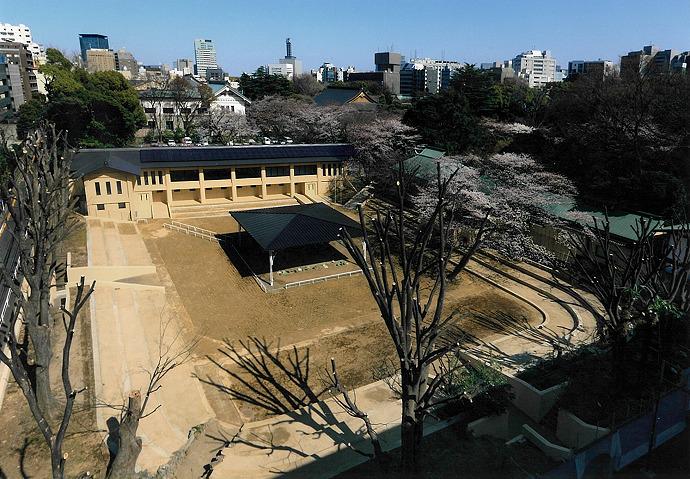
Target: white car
{"points": [[187, 141], [171, 143]]}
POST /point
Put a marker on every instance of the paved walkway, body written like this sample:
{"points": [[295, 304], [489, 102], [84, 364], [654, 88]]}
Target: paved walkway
{"points": [[127, 311]]}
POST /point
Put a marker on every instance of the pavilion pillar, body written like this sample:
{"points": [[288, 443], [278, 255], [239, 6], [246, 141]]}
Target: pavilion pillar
{"points": [[271, 256]]}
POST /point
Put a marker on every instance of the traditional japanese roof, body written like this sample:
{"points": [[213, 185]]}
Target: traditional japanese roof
{"points": [[424, 163], [132, 160], [342, 96], [300, 225]]}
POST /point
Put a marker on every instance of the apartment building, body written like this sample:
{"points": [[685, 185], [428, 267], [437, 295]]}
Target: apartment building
{"points": [[598, 69], [22, 34], [204, 56], [140, 183], [100, 60], [652, 60], [20, 74], [426, 75], [535, 67]]}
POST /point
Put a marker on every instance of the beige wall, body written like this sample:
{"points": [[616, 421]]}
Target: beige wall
{"points": [[153, 192]]}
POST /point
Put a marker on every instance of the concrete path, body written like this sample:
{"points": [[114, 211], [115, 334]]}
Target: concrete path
{"points": [[128, 313]]}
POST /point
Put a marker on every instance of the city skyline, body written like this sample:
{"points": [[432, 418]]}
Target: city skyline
{"points": [[469, 32]]}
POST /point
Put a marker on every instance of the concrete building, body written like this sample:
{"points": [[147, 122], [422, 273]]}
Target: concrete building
{"points": [[100, 60], [125, 62], [283, 69], [681, 62], [500, 71], [22, 34], [425, 75], [387, 72], [88, 41], [652, 60], [536, 68], [598, 69], [19, 73], [6, 105], [290, 59], [185, 66], [140, 183], [204, 57], [329, 73]]}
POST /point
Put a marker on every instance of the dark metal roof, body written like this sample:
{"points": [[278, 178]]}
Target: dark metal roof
{"points": [[339, 96], [299, 225], [132, 160]]}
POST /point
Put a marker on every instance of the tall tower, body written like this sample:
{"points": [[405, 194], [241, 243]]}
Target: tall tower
{"points": [[288, 46], [204, 56]]}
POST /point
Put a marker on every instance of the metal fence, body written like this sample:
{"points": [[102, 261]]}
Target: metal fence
{"points": [[9, 258], [321, 279]]}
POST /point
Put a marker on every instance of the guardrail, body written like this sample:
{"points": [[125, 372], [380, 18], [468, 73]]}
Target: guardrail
{"points": [[322, 279], [193, 231], [10, 260]]}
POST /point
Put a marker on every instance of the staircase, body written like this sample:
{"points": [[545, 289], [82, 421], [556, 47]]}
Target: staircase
{"points": [[223, 209]]}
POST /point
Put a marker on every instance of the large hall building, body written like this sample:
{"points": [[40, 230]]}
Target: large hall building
{"points": [[142, 183]]}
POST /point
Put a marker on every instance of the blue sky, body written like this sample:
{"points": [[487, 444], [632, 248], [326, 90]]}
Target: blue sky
{"points": [[348, 32]]}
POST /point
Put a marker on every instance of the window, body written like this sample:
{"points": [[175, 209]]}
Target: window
{"points": [[185, 111], [253, 172], [184, 175], [121, 206], [100, 207], [169, 125], [153, 177], [232, 108], [151, 124], [278, 171], [302, 170], [150, 110], [138, 180], [118, 187], [323, 170], [217, 174], [160, 177], [168, 110], [108, 190], [98, 188], [146, 178]]}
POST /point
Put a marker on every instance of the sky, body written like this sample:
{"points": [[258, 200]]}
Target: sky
{"points": [[348, 32]]}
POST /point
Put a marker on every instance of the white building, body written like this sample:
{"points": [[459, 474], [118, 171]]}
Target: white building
{"points": [[204, 56], [536, 67], [286, 70], [22, 34]]}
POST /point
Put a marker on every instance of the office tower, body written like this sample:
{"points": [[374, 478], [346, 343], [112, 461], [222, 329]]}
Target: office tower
{"points": [[204, 56], [19, 73], [100, 60], [387, 72], [125, 61], [88, 41], [536, 67], [291, 60]]}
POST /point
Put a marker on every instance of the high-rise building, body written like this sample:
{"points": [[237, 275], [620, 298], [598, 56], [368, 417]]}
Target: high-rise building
{"points": [[535, 67], [500, 71], [598, 69], [290, 59], [19, 73], [387, 72], [328, 73], [22, 34], [425, 75], [185, 66], [652, 60], [100, 60], [204, 57], [88, 41], [125, 62]]}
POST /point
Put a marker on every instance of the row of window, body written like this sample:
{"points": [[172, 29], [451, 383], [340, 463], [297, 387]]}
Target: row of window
{"points": [[101, 206], [108, 188], [331, 169], [242, 173], [150, 177]]}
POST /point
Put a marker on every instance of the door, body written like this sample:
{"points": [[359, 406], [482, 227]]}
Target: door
{"points": [[144, 206], [310, 189]]}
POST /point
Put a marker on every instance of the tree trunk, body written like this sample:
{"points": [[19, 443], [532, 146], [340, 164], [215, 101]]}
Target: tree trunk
{"points": [[129, 445], [57, 463], [43, 354]]}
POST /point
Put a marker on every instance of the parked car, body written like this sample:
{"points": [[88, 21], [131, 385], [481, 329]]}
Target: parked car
{"points": [[267, 140], [288, 140], [187, 141], [172, 143]]}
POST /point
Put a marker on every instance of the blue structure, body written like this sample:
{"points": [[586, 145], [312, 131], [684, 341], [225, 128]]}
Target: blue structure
{"points": [[88, 41]]}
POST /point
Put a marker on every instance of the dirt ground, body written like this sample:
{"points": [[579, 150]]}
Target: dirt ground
{"points": [[22, 448], [335, 319]]}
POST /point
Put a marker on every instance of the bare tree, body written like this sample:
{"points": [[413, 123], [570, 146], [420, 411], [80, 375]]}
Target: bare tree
{"points": [[349, 404], [190, 99], [171, 354], [54, 436], [408, 275], [153, 100], [40, 204]]}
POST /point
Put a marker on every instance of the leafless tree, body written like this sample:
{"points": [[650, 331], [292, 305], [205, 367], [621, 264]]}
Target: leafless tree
{"points": [[408, 275], [307, 85], [172, 352], [223, 126], [190, 100], [53, 435], [153, 100], [40, 203], [349, 404]]}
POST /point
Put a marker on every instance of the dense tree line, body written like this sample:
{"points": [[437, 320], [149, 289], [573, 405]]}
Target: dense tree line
{"points": [[94, 109]]}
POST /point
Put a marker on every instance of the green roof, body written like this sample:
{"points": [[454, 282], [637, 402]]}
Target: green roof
{"points": [[424, 162]]}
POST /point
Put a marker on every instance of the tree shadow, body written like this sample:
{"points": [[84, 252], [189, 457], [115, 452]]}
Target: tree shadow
{"points": [[279, 381], [519, 328]]}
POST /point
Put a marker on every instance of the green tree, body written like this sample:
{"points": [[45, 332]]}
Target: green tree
{"points": [[446, 121], [475, 86], [30, 115], [260, 84]]}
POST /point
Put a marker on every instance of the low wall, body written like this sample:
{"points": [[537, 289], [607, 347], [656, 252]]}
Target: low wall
{"points": [[575, 433], [551, 450], [530, 400], [494, 426]]}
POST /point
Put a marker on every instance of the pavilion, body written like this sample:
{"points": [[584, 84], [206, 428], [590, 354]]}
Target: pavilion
{"points": [[279, 228]]}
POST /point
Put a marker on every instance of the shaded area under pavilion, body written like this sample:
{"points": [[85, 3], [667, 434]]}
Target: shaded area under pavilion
{"points": [[280, 228]]}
